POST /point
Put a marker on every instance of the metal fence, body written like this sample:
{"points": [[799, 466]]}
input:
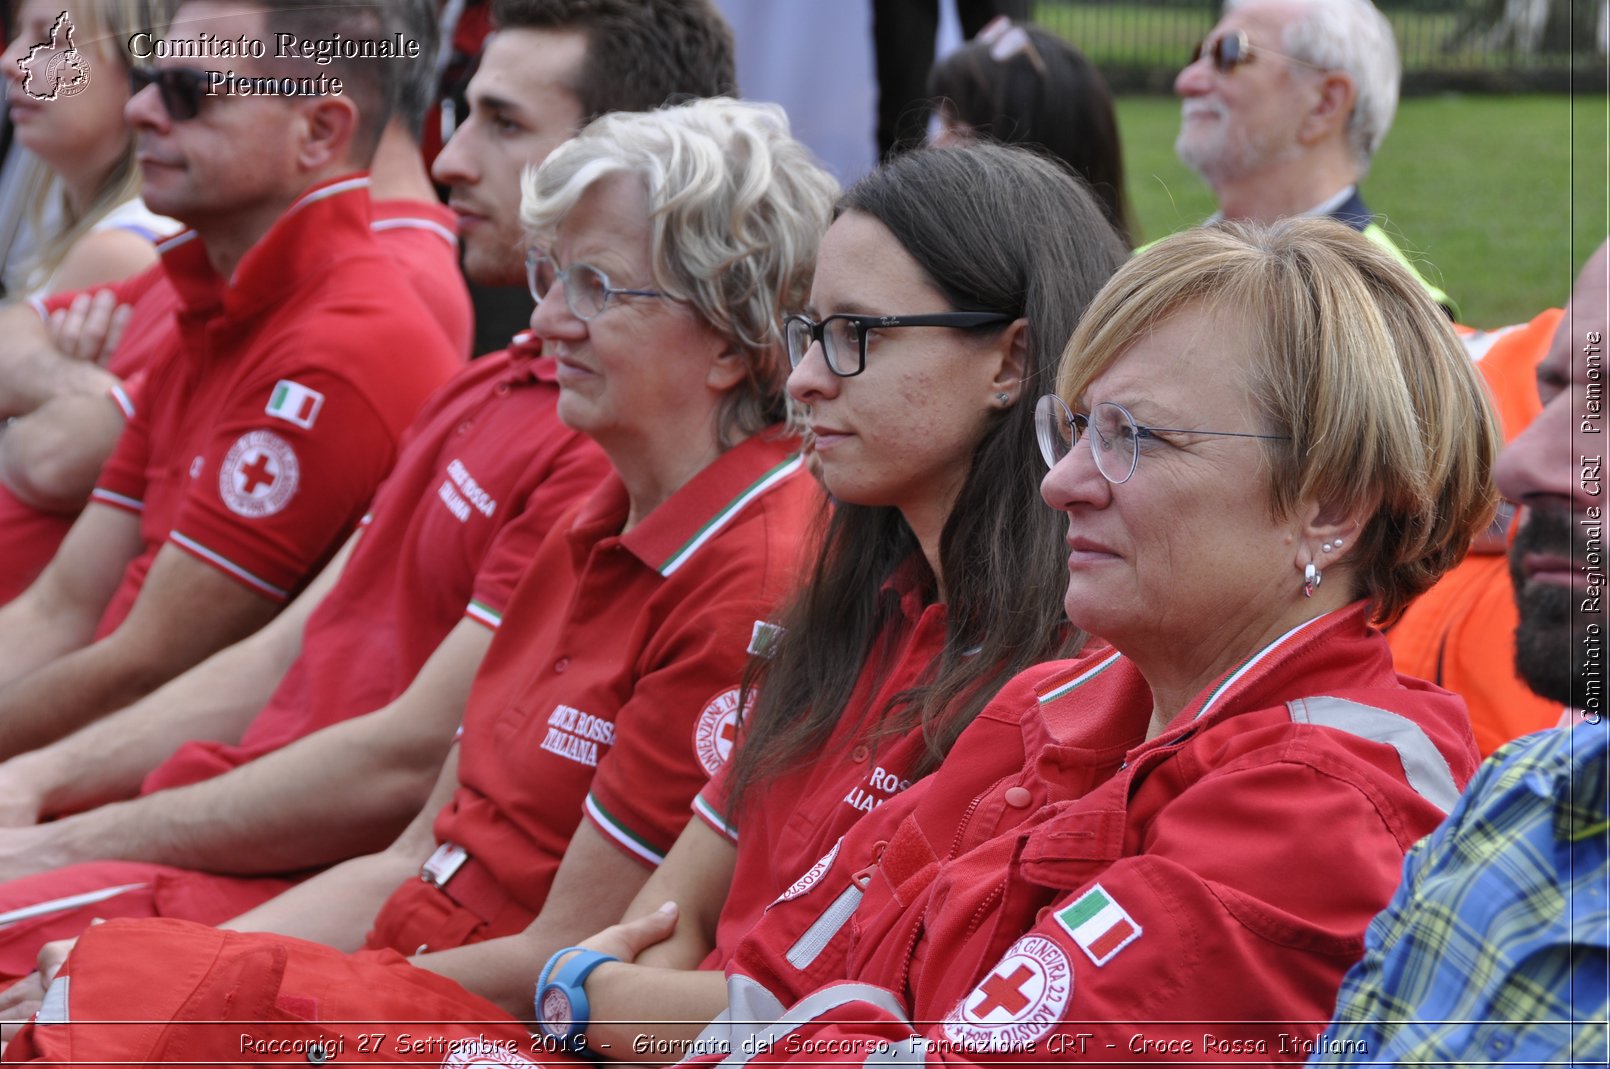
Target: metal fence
{"points": [[1498, 45]]}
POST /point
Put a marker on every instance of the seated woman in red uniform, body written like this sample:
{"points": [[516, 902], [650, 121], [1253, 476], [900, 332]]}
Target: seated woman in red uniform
{"points": [[1263, 441], [666, 247], [939, 576]]}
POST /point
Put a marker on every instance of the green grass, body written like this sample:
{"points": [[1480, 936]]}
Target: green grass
{"points": [[1148, 34], [1504, 195]]}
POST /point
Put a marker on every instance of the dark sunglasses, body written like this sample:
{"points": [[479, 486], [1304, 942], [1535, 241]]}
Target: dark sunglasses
{"points": [[1231, 50], [181, 88]]}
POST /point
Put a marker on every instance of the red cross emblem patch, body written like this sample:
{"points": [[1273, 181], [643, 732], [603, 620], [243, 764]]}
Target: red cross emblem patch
{"points": [[259, 474], [716, 730], [1018, 1001]]}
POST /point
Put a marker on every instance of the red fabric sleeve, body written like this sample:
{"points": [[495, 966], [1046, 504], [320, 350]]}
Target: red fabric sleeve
{"points": [[573, 474], [711, 806], [668, 732], [1211, 951], [270, 498]]}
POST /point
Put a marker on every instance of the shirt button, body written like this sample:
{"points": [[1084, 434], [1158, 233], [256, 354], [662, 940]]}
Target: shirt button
{"points": [[561, 664], [503, 389], [859, 754], [1017, 797]]}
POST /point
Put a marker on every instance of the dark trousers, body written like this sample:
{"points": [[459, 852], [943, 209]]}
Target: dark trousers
{"points": [[903, 46]]}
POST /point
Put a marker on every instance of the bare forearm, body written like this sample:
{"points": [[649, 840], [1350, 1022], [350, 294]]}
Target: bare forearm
{"points": [[503, 971], [341, 792], [339, 906], [51, 457], [33, 370], [70, 692], [336, 907], [633, 1004], [109, 759]]}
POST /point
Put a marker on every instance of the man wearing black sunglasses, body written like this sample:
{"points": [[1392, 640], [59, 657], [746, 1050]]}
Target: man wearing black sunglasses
{"points": [[1284, 106], [62, 361], [296, 357], [371, 634]]}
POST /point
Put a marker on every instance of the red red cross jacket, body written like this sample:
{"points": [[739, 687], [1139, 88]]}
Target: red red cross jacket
{"points": [[1062, 889]]}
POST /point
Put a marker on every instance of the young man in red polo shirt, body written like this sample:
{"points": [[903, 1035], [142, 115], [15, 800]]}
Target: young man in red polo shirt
{"points": [[485, 470], [68, 386], [301, 362]]}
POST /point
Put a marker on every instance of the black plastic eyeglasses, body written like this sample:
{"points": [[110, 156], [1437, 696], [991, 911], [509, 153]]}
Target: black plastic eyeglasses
{"points": [[843, 336]]}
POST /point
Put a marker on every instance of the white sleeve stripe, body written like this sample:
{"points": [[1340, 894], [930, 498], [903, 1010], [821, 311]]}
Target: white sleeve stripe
{"points": [[483, 614], [227, 565], [716, 820], [615, 830], [416, 224], [120, 397], [107, 497], [810, 1008]]}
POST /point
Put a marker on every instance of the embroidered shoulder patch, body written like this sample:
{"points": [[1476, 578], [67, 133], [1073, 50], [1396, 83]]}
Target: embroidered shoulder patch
{"points": [[1098, 924], [812, 876], [294, 403], [1021, 999], [716, 731], [259, 474]]}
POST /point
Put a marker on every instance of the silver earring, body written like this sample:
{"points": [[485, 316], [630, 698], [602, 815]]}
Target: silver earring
{"points": [[1003, 397], [1311, 579]]}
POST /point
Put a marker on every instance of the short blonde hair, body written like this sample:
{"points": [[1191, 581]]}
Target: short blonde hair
{"points": [[737, 210], [1352, 361]]}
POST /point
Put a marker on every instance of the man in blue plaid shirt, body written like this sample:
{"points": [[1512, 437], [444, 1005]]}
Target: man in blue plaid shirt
{"points": [[1496, 947]]}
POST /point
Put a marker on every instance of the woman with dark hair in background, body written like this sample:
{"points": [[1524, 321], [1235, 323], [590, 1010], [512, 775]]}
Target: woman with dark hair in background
{"points": [[1024, 85]]}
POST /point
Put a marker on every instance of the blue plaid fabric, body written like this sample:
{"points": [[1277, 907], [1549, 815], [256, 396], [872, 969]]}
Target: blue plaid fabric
{"points": [[1496, 947]]}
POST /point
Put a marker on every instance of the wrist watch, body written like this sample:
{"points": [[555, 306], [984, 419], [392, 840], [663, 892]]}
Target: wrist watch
{"points": [[562, 1011]]}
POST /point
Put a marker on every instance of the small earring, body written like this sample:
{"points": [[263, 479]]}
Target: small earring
{"points": [[1327, 547], [1003, 397], [1311, 579]]}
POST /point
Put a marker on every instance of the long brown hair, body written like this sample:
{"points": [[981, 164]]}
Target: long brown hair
{"points": [[996, 229]]}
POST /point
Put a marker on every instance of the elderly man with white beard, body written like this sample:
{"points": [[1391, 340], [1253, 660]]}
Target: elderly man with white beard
{"points": [[1284, 106]]}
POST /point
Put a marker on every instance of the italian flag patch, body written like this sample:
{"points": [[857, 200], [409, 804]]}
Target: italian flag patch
{"points": [[295, 403], [1099, 925]]}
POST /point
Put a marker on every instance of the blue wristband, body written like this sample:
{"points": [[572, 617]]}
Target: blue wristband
{"points": [[561, 1007]]}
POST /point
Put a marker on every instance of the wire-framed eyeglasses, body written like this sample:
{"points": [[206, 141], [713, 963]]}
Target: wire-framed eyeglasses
{"points": [[843, 336], [587, 289], [1231, 50], [1113, 434]]}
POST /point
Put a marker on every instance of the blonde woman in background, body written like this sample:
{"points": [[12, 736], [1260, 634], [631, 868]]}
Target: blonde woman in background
{"points": [[88, 222]]}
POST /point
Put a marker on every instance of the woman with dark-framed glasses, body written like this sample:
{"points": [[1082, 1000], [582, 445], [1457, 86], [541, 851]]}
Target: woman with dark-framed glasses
{"points": [[943, 292], [1263, 440], [937, 578]]}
